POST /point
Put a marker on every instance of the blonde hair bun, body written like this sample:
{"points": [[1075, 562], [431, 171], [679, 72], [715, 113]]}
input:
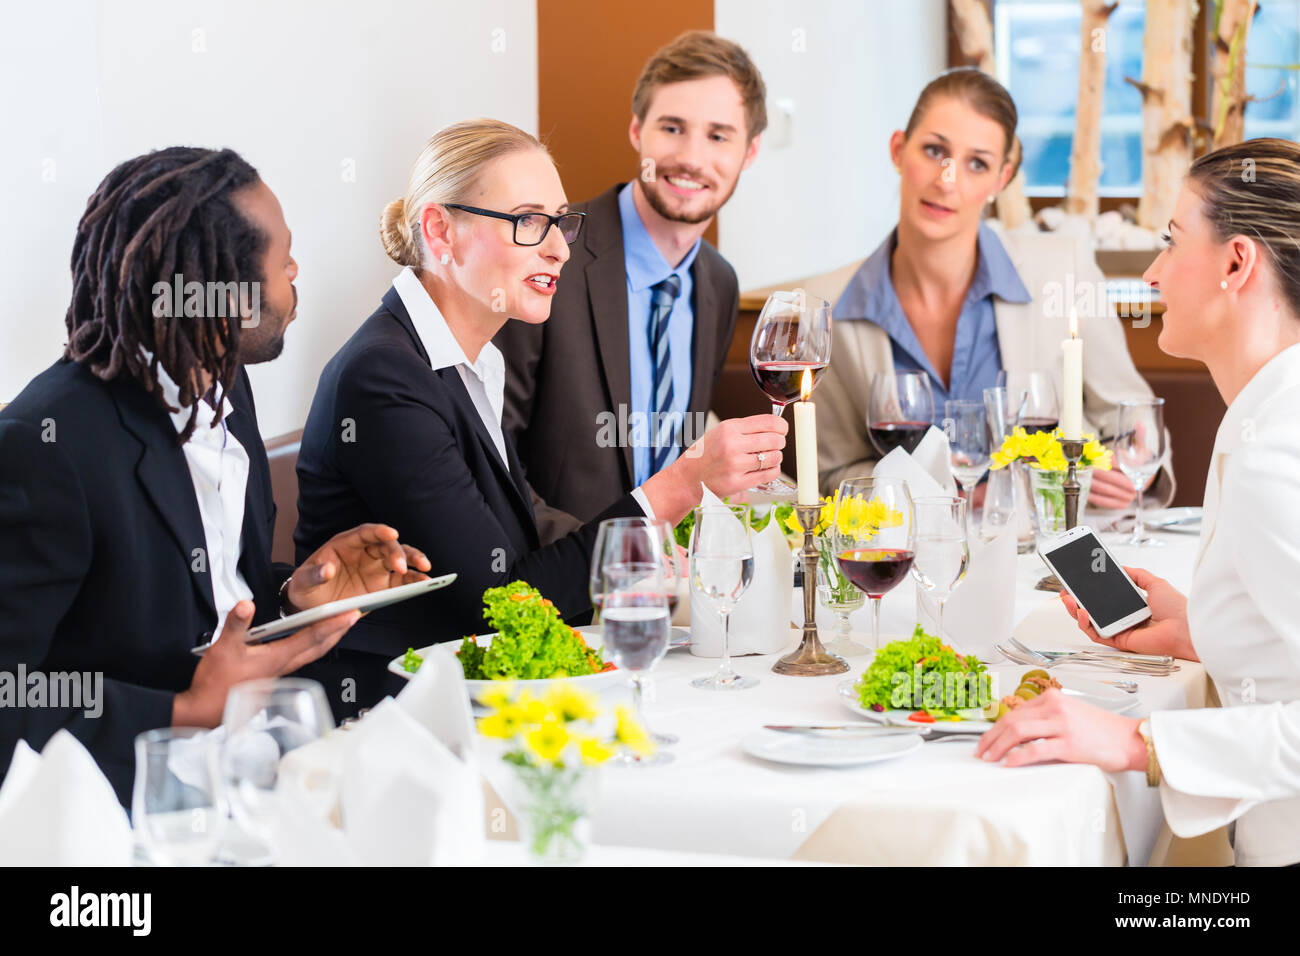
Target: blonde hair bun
{"points": [[395, 234]]}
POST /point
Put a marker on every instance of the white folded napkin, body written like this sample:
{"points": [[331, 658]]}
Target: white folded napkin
{"points": [[58, 809], [760, 621], [927, 471], [410, 791]]}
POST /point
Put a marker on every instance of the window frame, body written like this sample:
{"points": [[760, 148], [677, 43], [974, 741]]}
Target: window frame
{"points": [[1202, 44]]}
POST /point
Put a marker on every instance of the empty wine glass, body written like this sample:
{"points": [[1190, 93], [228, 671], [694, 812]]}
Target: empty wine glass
{"points": [[722, 565], [873, 535], [634, 629], [1140, 448], [1032, 402], [792, 336], [901, 410], [640, 540], [966, 426], [265, 720], [1000, 510], [177, 808], [942, 548]]}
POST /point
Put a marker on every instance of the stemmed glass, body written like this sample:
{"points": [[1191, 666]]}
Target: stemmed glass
{"points": [[635, 625], [966, 426], [722, 565], [942, 548], [1140, 450], [874, 537], [177, 806], [901, 410], [265, 720], [1032, 403], [999, 504], [629, 541], [792, 336], [639, 551]]}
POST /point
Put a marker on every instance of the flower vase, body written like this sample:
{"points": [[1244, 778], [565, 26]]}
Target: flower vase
{"points": [[554, 811], [1049, 497], [838, 594]]}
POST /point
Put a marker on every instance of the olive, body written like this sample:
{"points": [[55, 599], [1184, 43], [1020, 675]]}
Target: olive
{"points": [[1038, 672]]}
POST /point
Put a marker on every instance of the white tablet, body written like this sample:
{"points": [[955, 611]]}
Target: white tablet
{"points": [[365, 603]]}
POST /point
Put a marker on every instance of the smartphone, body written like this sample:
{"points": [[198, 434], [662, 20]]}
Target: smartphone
{"points": [[1095, 580]]}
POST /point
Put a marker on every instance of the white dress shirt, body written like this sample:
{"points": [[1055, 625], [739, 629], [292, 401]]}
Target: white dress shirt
{"points": [[218, 467], [1242, 762], [485, 379]]}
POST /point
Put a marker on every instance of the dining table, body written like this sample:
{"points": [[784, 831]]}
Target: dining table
{"points": [[936, 804]]}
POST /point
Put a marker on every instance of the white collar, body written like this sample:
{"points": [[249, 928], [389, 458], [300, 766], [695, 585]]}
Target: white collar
{"points": [[431, 327], [207, 414], [1278, 374]]}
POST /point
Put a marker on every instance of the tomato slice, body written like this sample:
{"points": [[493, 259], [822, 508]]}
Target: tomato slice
{"points": [[921, 717]]}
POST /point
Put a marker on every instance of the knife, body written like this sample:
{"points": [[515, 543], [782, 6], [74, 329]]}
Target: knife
{"points": [[863, 730], [1116, 656]]}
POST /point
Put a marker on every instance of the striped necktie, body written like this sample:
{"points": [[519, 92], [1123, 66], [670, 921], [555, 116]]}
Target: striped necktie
{"points": [[663, 448]]}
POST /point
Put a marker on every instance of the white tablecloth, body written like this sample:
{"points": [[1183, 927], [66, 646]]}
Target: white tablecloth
{"points": [[936, 805]]}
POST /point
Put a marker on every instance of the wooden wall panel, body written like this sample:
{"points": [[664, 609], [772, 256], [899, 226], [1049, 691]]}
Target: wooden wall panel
{"points": [[589, 54]]}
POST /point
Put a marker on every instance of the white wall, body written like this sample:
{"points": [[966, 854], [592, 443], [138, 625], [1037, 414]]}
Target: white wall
{"points": [[853, 69], [306, 91]]}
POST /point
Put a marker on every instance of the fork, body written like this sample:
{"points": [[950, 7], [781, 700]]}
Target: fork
{"points": [[1140, 662], [1019, 658], [1163, 659]]}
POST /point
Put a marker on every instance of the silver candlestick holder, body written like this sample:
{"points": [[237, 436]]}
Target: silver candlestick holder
{"points": [[1072, 448], [810, 658]]}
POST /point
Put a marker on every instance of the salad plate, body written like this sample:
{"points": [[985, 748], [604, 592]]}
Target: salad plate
{"points": [[1088, 691], [678, 637], [826, 751]]}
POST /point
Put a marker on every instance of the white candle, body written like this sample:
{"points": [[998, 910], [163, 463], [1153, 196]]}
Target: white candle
{"points": [[805, 447], [1072, 397]]}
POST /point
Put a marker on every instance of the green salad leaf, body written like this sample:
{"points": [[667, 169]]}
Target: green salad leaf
{"points": [[531, 642], [757, 521], [923, 668], [412, 661]]}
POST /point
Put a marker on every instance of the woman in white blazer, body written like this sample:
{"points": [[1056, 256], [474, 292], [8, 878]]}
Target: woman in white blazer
{"points": [[1230, 279], [951, 295]]}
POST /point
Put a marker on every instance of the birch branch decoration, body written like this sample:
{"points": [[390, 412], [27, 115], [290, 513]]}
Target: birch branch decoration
{"points": [[1085, 150], [1232, 26]]}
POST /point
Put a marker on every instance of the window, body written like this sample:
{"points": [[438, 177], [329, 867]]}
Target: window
{"points": [[1037, 52]]}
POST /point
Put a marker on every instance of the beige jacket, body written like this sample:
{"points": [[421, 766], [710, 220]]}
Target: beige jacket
{"points": [[1056, 270]]}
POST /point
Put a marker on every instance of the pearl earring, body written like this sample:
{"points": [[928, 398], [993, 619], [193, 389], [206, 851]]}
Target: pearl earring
{"points": [[446, 258], [1223, 284]]}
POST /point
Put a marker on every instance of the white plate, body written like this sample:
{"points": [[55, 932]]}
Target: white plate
{"points": [[806, 750], [678, 637], [1179, 520], [1091, 692]]}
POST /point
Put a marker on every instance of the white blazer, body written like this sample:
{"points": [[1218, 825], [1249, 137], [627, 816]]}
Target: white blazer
{"points": [[1242, 762]]}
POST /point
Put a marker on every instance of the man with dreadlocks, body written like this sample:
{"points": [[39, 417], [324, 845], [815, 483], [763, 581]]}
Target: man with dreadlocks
{"points": [[135, 496]]}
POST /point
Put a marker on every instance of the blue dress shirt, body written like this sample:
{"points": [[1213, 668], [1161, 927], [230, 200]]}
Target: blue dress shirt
{"points": [[976, 358], [646, 266]]}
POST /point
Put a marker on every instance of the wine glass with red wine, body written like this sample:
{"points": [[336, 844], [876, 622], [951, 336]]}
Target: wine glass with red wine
{"points": [[874, 536], [792, 337], [1032, 402], [902, 409]]}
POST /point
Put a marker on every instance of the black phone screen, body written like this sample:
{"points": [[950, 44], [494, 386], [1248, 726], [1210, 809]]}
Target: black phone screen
{"points": [[1096, 580]]}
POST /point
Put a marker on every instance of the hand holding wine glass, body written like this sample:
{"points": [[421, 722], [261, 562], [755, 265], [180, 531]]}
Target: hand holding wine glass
{"points": [[792, 336]]}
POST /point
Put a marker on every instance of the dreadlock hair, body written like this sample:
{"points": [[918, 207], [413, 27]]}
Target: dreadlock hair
{"points": [[165, 213]]}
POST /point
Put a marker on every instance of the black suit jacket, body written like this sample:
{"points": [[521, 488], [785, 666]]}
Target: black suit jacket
{"points": [[389, 439], [100, 568], [563, 373]]}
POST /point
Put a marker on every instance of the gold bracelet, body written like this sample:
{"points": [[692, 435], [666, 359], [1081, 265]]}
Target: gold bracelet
{"points": [[1153, 762]]}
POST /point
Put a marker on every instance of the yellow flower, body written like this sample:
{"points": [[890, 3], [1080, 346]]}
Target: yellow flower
{"points": [[568, 703], [1096, 455], [505, 723], [858, 518], [824, 519], [531, 709], [548, 741], [631, 734], [594, 750], [498, 696]]}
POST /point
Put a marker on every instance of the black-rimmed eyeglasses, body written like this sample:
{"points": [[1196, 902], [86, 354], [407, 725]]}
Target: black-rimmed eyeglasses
{"points": [[531, 227]]}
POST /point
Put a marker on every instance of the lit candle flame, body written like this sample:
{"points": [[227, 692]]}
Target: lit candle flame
{"points": [[805, 385], [1074, 323]]}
